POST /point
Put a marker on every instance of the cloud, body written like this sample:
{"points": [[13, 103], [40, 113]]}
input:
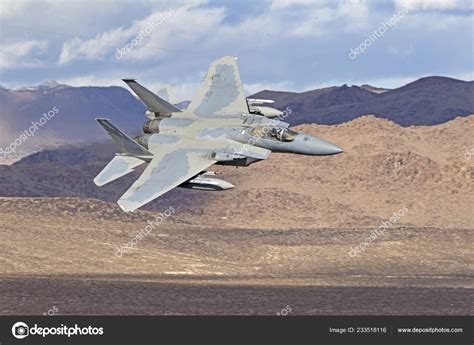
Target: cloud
{"points": [[23, 54], [182, 30], [182, 90], [94, 49], [192, 23], [167, 33], [91, 80], [310, 18], [13, 8], [281, 44], [435, 4]]}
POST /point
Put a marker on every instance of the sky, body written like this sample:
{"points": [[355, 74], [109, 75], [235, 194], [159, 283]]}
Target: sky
{"points": [[280, 44]]}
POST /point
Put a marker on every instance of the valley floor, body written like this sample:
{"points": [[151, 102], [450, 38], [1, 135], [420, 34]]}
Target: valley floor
{"points": [[68, 261], [113, 296]]}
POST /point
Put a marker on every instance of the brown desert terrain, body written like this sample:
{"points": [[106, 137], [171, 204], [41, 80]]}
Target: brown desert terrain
{"points": [[384, 167], [281, 238]]}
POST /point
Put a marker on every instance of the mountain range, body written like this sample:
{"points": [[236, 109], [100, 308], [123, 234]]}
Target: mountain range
{"points": [[427, 101]]}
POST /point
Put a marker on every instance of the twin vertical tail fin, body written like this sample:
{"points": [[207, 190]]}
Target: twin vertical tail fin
{"points": [[154, 103]]}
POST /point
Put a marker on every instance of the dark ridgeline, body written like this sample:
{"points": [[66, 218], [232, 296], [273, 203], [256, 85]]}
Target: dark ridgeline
{"points": [[78, 107], [427, 101]]}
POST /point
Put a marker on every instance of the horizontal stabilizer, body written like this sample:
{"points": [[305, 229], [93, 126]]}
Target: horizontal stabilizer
{"points": [[127, 144], [119, 166], [154, 103]]}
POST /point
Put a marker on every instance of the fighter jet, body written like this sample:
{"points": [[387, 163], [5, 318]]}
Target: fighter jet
{"points": [[216, 128]]}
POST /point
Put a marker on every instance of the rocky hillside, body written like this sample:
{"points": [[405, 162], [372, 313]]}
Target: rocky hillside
{"points": [[427, 101], [384, 168]]}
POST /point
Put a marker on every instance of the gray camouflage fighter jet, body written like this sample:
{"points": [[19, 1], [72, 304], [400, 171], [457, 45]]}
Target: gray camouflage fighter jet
{"points": [[217, 128]]}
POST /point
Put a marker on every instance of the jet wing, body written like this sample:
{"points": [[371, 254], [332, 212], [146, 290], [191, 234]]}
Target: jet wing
{"points": [[167, 170], [221, 92]]}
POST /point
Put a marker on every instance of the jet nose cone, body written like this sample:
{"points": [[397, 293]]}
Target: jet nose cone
{"points": [[326, 148], [319, 147], [334, 149]]}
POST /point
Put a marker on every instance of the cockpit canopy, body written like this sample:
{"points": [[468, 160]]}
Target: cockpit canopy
{"points": [[273, 133]]}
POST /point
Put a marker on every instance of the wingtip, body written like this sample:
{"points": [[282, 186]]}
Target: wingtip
{"points": [[97, 182], [125, 205]]}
